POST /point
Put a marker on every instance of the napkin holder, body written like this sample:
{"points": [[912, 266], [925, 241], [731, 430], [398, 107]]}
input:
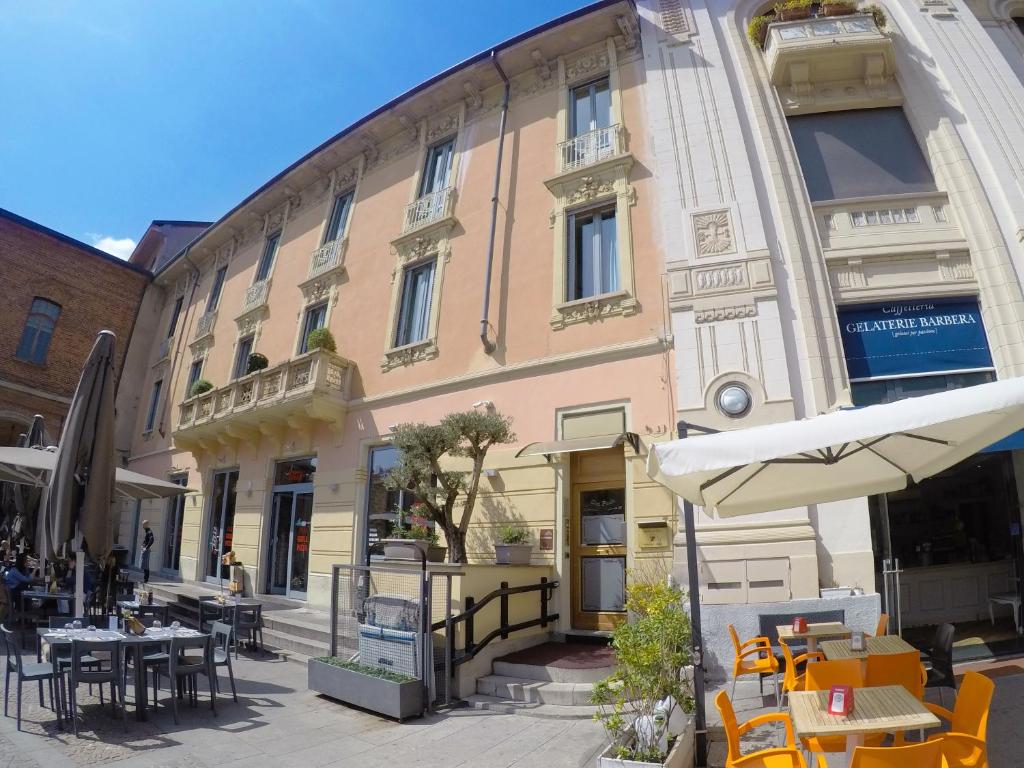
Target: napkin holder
{"points": [[799, 625], [857, 642], [840, 700]]}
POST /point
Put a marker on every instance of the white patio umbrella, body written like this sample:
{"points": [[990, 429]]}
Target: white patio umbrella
{"points": [[840, 455]]}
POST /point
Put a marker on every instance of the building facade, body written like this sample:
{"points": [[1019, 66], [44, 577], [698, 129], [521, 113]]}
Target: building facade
{"points": [[841, 213], [59, 293], [387, 236]]}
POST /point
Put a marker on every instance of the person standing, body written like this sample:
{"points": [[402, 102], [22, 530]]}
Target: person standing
{"points": [[147, 544]]}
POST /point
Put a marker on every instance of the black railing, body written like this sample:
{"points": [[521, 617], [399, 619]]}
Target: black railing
{"points": [[471, 647]]}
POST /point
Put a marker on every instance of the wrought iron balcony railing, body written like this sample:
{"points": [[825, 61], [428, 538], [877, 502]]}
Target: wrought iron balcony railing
{"points": [[428, 209], [589, 148]]}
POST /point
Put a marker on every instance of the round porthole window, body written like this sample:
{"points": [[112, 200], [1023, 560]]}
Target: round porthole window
{"points": [[734, 400]]}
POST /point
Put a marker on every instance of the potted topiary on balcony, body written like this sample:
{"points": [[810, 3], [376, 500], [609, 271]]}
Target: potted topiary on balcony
{"points": [[199, 387], [513, 546], [321, 338], [757, 29], [793, 10], [417, 533], [256, 362]]}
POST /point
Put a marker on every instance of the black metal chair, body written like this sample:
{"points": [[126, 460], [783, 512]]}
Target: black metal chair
{"points": [[25, 671], [182, 668], [107, 670], [221, 639], [938, 659], [154, 611], [248, 623]]}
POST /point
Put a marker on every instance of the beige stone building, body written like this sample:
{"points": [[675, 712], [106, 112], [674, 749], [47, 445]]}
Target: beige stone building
{"points": [[386, 235]]}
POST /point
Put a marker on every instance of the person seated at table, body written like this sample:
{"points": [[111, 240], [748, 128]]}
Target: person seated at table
{"points": [[17, 578]]}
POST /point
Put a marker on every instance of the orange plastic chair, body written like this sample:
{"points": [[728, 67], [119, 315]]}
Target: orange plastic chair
{"points": [[792, 680], [903, 669], [964, 744], [777, 757], [822, 675], [921, 755], [753, 657], [883, 625]]}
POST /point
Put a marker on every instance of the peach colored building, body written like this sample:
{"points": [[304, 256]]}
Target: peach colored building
{"points": [[383, 236]]}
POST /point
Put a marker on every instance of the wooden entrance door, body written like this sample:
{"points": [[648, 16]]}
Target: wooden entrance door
{"points": [[597, 539]]}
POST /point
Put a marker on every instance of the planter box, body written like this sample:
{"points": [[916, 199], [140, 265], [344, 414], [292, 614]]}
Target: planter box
{"points": [[795, 14], [513, 554], [397, 700], [838, 9], [436, 554], [680, 756]]}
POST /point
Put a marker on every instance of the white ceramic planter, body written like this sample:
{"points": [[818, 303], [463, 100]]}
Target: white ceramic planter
{"points": [[512, 554], [680, 756]]}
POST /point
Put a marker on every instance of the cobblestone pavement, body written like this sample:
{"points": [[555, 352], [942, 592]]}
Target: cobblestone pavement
{"points": [[278, 722]]}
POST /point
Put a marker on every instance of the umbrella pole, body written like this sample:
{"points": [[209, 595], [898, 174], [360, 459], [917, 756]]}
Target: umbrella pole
{"points": [[693, 591], [80, 583]]}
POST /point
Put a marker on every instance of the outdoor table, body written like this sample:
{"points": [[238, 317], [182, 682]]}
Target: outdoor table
{"points": [[135, 606], [136, 643], [885, 709], [208, 606], [43, 596], [814, 633], [884, 645]]}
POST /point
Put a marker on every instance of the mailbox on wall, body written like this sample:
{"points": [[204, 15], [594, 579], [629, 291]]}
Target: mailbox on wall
{"points": [[654, 534]]}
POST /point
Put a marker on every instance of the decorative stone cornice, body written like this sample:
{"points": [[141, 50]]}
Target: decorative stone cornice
{"points": [[409, 354], [594, 308]]}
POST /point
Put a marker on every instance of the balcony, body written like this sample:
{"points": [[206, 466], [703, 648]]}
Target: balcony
{"points": [[328, 258], [430, 208], [293, 395], [164, 352], [802, 55], [255, 297], [590, 148], [204, 326]]}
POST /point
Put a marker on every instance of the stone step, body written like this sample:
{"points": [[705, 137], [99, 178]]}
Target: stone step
{"points": [[529, 691], [548, 711], [302, 625], [275, 639], [554, 674]]}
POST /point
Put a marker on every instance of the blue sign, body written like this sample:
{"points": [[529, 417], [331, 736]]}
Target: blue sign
{"points": [[897, 338]]}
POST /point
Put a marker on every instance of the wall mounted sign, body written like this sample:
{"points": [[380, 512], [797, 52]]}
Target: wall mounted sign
{"points": [[897, 338], [547, 539]]}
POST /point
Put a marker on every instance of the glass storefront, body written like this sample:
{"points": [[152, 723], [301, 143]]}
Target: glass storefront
{"points": [[221, 523], [172, 531], [291, 527], [385, 508]]}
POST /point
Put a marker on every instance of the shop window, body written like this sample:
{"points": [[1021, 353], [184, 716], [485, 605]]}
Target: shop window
{"points": [[414, 305], [295, 471], [891, 390], [593, 265], [843, 155], [385, 507], [39, 325]]}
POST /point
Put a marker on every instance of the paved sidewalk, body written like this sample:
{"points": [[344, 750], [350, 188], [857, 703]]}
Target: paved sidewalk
{"points": [[278, 722]]}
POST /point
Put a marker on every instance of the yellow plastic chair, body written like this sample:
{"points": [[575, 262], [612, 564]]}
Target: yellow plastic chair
{"points": [[776, 757], [822, 675], [753, 657], [922, 755], [882, 626], [792, 680], [903, 669], [964, 744]]}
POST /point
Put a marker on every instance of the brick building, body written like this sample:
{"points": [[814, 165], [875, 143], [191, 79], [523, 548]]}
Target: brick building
{"points": [[58, 294]]}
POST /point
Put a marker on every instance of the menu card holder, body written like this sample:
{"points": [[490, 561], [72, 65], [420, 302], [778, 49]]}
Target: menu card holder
{"points": [[799, 625], [840, 700], [857, 642]]}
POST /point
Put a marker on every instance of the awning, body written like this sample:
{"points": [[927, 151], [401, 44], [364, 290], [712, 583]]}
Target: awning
{"points": [[31, 466], [840, 455], [597, 443]]}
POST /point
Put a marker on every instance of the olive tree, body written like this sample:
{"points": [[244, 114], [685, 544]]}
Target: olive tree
{"points": [[424, 449]]}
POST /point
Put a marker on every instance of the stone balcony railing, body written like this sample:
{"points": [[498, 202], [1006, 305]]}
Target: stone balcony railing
{"points": [[291, 395], [589, 148], [204, 325], [327, 258], [165, 349], [804, 54], [255, 296], [428, 209]]}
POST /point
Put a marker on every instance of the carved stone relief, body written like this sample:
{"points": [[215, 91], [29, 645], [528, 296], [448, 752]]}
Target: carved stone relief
{"points": [[716, 314], [442, 126], [583, 65], [676, 21], [713, 233], [595, 309], [403, 356]]}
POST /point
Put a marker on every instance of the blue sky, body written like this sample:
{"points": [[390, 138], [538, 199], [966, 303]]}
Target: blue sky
{"points": [[116, 113]]}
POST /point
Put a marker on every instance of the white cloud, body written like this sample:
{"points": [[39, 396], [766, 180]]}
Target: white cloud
{"points": [[121, 247]]}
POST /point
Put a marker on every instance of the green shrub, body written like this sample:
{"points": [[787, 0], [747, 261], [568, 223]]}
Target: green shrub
{"points": [[383, 674], [878, 13], [256, 362], [321, 338], [757, 30], [789, 5], [199, 387], [513, 534]]}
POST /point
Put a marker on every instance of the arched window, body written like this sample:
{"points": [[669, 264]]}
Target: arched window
{"points": [[35, 339]]}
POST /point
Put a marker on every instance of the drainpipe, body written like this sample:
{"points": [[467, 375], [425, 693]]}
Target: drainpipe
{"points": [[183, 324], [488, 345]]}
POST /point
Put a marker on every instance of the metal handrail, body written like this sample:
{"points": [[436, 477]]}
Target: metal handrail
{"points": [[429, 208], [591, 147]]}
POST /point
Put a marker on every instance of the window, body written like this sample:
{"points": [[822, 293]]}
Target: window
{"points": [[841, 155], [154, 404], [591, 107], [414, 305], [890, 390], [386, 508], [438, 167], [267, 259], [195, 372], [316, 317], [35, 338], [175, 314], [218, 285], [593, 267], [339, 217], [175, 519], [242, 357]]}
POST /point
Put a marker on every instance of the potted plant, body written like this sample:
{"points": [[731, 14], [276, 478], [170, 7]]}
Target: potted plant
{"points": [[419, 534], [379, 690], [877, 13], [513, 546], [643, 706], [757, 30], [199, 387], [256, 362], [793, 10], [838, 8], [321, 338]]}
